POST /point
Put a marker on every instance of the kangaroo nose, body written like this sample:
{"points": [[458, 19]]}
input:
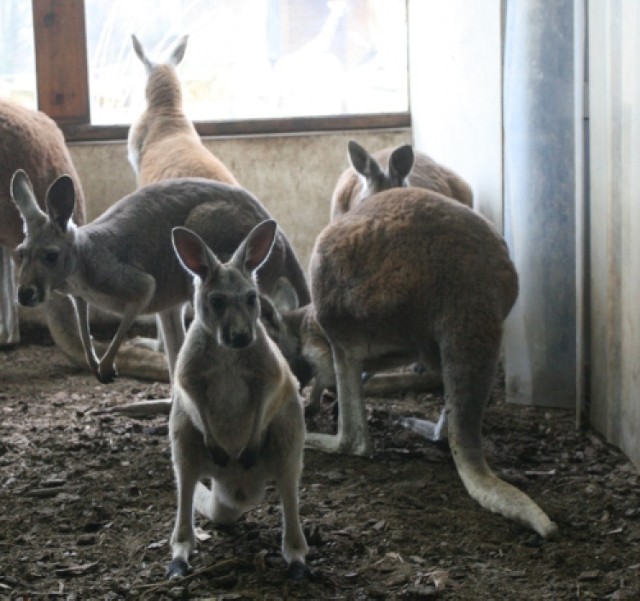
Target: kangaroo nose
{"points": [[240, 340], [27, 296]]}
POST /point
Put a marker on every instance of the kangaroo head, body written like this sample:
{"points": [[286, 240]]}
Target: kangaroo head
{"points": [[48, 255], [163, 85], [374, 178], [226, 297]]}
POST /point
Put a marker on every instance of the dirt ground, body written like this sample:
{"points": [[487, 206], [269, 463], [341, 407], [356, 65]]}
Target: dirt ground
{"points": [[87, 506]]}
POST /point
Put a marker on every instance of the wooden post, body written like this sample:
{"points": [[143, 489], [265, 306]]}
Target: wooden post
{"points": [[61, 60]]}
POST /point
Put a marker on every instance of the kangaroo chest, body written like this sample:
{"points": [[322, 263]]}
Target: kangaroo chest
{"points": [[224, 405]]}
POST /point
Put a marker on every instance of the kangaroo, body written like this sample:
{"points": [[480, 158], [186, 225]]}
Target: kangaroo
{"points": [[237, 416], [31, 141], [393, 168], [163, 143], [411, 275], [124, 262]]}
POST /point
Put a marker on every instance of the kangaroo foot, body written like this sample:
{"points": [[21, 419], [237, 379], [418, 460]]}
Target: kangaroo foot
{"points": [[298, 571], [177, 568], [435, 432]]}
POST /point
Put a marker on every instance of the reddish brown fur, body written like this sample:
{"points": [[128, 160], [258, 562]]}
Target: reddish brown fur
{"points": [[31, 141], [426, 173], [165, 143]]}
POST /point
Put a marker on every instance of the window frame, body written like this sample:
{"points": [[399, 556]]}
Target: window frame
{"points": [[63, 87]]}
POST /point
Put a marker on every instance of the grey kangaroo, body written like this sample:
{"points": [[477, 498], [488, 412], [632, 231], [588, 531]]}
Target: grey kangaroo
{"points": [[124, 262], [411, 275], [237, 417]]}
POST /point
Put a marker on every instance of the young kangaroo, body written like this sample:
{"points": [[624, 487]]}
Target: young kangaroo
{"points": [[163, 143], [393, 168], [124, 262], [236, 417], [411, 275]]}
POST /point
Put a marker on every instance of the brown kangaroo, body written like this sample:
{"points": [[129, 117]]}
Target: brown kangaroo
{"points": [[411, 275]]}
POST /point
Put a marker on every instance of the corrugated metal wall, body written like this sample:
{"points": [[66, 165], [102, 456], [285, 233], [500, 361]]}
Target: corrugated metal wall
{"points": [[614, 110]]}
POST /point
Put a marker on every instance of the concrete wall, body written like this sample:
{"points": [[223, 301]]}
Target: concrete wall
{"points": [[292, 175]]}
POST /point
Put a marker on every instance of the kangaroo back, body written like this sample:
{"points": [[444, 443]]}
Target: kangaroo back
{"points": [[31, 141], [393, 168], [413, 275], [163, 143]]}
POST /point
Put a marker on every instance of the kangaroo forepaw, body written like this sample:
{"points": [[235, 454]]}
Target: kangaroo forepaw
{"points": [[298, 571], [177, 568], [248, 458], [106, 374], [218, 455]]}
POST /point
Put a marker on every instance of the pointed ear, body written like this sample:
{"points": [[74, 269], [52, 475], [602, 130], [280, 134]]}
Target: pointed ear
{"points": [[193, 252], [284, 296], [22, 194], [362, 161], [178, 52], [60, 201], [139, 50], [401, 162], [256, 247]]}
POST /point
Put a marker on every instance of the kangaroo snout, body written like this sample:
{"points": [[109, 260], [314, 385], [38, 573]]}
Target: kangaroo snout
{"points": [[238, 339], [30, 296]]}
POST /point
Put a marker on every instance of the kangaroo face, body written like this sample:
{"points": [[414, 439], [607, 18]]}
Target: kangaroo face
{"points": [[226, 297], [48, 256], [46, 259], [228, 307]]}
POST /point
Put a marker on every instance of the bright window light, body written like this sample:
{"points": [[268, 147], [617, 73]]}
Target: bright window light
{"points": [[17, 54], [251, 59]]}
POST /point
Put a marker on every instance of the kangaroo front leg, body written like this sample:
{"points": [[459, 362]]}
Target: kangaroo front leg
{"points": [[107, 368], [82, 313], [172, 333]]}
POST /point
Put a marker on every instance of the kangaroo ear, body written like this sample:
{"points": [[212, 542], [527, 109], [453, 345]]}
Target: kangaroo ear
{"points": [[362, 161], [139, 50], [22, 194], [60, 200], [284, 296], [256, 247], [401, 163], [193, 252], [178, 52]]}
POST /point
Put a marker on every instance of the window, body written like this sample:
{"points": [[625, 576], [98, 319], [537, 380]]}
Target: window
{"points": [[17, 55], [251, 66]]}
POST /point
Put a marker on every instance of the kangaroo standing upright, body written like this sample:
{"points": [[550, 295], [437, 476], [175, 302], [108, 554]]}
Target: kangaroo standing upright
{"points": [[163, 143], [236, 417]]}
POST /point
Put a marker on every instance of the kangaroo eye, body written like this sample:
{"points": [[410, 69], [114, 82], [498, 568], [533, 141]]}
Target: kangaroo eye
{"points": [[218, 303], [50, 257], [252, 298]]}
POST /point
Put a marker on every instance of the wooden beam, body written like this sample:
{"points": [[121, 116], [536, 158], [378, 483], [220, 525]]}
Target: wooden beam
{"points": [[61, 60]]}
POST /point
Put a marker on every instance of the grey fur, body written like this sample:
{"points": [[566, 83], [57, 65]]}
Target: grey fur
{"points": [[237, 416], [124, 262]]}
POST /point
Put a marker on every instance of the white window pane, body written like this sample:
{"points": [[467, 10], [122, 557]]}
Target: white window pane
{"points": [[17, 54], [252, 58]]}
